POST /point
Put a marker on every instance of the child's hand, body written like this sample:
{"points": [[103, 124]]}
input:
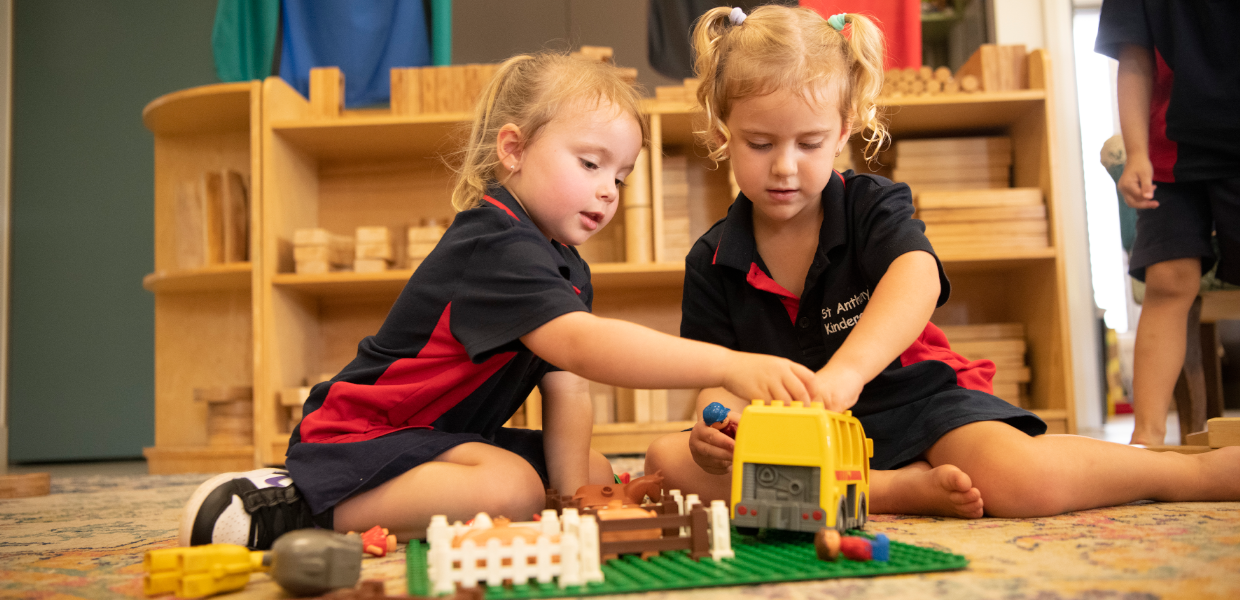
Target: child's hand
{"points": [[837, 388], [1137, 183], [760, 376], [711, 449]]}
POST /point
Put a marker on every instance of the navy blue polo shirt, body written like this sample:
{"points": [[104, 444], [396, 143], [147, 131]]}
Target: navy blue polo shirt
{"points": [[449, 355], [1194, 121], [730, 298]]}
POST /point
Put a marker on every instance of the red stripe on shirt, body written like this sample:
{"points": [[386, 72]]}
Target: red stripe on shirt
{"points": [[761, 281], [411, 393], [1163, 152], [932, 345], [501, 205]]}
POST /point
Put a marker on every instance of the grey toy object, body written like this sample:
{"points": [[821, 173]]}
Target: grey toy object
{"points": [[311, 562]]}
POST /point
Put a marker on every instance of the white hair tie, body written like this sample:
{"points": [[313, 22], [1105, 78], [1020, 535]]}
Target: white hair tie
{"points": [[737, 16]]}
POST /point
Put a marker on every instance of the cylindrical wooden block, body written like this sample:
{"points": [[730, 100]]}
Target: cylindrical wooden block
{"points": [[951, 87], [637, 228], [942, 74], [969, 83], [925, 73], [230, 423]]}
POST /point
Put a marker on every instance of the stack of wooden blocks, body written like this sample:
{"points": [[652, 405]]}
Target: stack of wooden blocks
{"points": [[439, 90], [676, 237], [321, 251], [1003, 343], [606, 54], [373, 252], [421, 239], [212, 217], [960, 163], [686, 92], [969, 221], [230, 415], [991, 69], [1220, 432]]}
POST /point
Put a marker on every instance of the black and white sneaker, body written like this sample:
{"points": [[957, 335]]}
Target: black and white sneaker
{"points": [[249, 509]]}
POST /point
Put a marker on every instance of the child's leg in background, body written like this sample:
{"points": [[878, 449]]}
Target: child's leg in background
{"points": [[1158, 355], [914, 489], [1023, 476], [460, 483]]}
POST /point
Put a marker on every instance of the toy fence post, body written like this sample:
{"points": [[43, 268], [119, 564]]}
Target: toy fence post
{"points": [[570, 521], [438, 557], [720, 531], [543, 560], [492, 567], [570, 560], [469, 563], [698, 525], [550, 523], [590, 562], [690, 501], [520, 561]]}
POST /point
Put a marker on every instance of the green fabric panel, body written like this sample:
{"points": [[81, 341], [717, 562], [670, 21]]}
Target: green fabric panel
{"points": [[244, 38], [441, 32]]}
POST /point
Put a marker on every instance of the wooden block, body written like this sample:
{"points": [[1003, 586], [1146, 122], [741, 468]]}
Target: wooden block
{"points": [[917, 187], [624, 405], [984, 65], [235, 209], [942, 74], [951, 87], [1007, 391], [1000, 174], [1013, 73], [533, 410], [983, 331], [407, 91], [1013, 375], [1224, 431], [979, 198], [670, 93], [604, 408], [311, 267], [987, 242], [224, 393], [988, 348], [658, 406], [969, 84], [326, 92], [986, 229], [953, 161], [988, 213], [999, 145], [1201, 438], [373, 243], [1180, 449], [370, 265], [925, 73], [294, 396], [476, 78], [419, 251], [641, 406], [451, 89], [25, 485], [430, 94], [191, 223], [599, 53]]}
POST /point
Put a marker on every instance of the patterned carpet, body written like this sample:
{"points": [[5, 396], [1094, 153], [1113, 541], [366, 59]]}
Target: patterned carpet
{"points": [[86, 540]]}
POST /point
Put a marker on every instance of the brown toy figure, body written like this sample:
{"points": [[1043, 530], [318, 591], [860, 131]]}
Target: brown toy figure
{"points": [[827, 544], [630, 494]]}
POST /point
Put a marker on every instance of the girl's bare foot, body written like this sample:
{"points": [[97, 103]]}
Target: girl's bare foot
{"points": [[918, 489]]}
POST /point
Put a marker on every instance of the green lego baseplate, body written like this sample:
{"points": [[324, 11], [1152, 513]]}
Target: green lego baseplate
{"points": [[769, 557]]}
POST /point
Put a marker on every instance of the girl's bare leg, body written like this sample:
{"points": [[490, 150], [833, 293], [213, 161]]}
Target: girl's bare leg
{"points": [[1158, 355], [915, 489], [460, 483], [1023, 476]]}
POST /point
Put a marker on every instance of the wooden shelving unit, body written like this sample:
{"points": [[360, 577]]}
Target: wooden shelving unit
{"points": [[369, 168], [205, 320]]}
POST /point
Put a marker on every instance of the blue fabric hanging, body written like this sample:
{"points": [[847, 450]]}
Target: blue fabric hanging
{"points": [[365, 39]]}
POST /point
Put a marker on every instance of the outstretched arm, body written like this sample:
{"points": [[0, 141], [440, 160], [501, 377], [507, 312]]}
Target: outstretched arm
{"points": [[629, 355], [895, 315], [568, 419]]}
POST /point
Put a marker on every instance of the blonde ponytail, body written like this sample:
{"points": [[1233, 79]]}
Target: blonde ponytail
{"points": [[867, 52]]}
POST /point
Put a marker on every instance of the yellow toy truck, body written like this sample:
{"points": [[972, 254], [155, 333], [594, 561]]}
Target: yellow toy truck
{"points": [[800, 468]]}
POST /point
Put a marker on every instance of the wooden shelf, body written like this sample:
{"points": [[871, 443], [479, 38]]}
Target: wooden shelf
{"points": [[997, 258], [604, 276], [214, 108], [230, 276], [373, 138], [956, 114]]}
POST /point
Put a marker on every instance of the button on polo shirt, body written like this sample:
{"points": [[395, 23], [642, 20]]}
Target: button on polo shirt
{"points": [[730, 298]]}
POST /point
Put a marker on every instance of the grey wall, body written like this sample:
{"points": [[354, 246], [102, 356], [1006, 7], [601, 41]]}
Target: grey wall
{"points": [[492, 30], [82, 328]]}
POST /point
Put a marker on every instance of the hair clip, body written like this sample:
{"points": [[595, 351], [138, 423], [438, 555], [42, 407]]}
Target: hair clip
{"points": [[737, 16], [837, 21]]}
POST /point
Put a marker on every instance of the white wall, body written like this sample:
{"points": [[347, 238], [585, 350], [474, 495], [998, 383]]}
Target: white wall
{"points": [[1048, 24]]}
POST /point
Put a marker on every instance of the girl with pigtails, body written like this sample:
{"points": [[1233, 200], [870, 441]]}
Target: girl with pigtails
{"points": [[831, 271], [414, 426]]}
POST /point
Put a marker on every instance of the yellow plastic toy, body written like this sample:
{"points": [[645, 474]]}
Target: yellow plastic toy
{"points": [[198, 571], [800, 468]]}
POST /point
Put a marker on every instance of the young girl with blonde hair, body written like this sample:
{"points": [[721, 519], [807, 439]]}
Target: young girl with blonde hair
{"points": [[831, 271], [413, 426]]}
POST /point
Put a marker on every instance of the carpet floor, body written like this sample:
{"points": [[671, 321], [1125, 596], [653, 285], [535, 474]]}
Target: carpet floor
{"points": [[87, 539]]}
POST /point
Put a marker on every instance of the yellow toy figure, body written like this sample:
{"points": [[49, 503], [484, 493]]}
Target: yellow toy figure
{"points": [[199, 571]]}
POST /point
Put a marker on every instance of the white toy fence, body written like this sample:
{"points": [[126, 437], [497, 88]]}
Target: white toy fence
{"points": [[574, 559]]}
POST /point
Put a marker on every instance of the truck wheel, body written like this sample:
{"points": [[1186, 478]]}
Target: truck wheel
{"points": [[863, 514], [842, 522]]}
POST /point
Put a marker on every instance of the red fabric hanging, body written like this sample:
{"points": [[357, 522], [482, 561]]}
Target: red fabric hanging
{"points": [[900, 21]]}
